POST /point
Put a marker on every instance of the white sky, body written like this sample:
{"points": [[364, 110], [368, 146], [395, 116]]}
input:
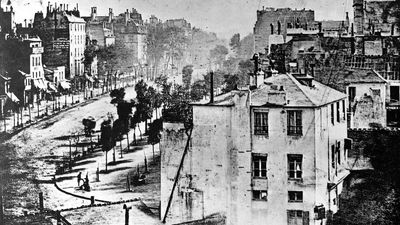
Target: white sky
{"points": [[225, 17]]}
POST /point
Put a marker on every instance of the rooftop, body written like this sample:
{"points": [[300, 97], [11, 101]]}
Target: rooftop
{"points": [[362, 76], [296, 94], [74, 19]]}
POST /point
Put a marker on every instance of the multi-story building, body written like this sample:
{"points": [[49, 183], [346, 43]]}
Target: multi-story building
{"points": [[131, 32], [25, 68], [8, 101], [366, 90], [271, 21], [99, 28], [7, 21], [375, 16], [273, 155], [388, 67], [64, 36]]}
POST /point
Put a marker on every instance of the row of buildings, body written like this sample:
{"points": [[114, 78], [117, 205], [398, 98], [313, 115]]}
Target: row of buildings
{"points": [[277, 152], [365, 55], [55, 52]]}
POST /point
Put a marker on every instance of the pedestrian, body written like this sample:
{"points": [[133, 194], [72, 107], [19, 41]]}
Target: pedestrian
{"points": [[79, 177]]}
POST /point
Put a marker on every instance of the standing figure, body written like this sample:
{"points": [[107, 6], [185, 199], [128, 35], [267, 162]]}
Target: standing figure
{"points": [[79, 177]]}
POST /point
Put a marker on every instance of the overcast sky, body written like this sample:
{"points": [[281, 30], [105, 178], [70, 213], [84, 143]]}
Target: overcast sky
{"points": [[225, 17]]}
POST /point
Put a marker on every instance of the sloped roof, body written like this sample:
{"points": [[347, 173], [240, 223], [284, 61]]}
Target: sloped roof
{"points": [[362, 76], [297, 94], [74, 19]]}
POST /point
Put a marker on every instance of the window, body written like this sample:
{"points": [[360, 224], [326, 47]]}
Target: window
{"points": [[295, 196], [260, 123], [295, 166], [259, 165], [294, 123], [298, 217], [343, 110], [338, 153], [332, 113], [352, 93], [394, 93], [338, 112], [260, 195]]}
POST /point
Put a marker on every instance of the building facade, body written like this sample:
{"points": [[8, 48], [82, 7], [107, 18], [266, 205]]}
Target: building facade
{"points": [[273, 155], [372, 16], [64, 38], [271, 21]]}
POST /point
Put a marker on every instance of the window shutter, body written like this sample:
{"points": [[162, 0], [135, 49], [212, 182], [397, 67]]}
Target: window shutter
{"points": [[288, 216], [306, 218]]}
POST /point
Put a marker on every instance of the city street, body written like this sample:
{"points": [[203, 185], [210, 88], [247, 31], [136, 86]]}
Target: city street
{"points": [[34, 153]]}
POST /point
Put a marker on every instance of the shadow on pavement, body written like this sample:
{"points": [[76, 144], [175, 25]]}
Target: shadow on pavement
{"points": [[114, 169]]}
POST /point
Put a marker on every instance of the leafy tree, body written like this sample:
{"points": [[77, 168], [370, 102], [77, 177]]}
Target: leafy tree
{"points": [[218, 54], [187, 75], [124, 109], [235, 43], [144, 107], [376, 200], [155, 129], [246, 47], [198, 90]]}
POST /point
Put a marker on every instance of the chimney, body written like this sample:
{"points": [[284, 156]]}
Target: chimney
{"points": [[126, 17], [94, 13], [67, 7], [352, 29], [25, 23], [110, 15], [77, 7], [211, 87]]}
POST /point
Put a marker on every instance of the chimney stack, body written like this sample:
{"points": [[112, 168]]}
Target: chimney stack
{"points": [[320, 27], [77, 5], [211, 87], [110, 15], [25, 23]]}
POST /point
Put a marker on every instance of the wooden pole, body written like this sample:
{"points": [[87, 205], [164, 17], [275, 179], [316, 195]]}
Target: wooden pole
{"points": [[127, 140], [120, 146]]}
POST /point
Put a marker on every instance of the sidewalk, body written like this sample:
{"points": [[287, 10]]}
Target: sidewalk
{"points": [[112, 186], [48, 108]]}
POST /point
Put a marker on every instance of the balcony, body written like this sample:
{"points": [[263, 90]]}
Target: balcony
{"points": [[37, 50]]}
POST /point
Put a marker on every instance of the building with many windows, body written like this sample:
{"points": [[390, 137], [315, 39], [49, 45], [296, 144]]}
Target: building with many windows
{"points": [[273, 155], [64, 38]]}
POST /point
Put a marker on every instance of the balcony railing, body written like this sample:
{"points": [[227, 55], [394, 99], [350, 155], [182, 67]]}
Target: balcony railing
{"points": [[37, 50]]}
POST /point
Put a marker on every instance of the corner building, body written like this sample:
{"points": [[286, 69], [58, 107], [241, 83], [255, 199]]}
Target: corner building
{"points": [[274, 155]]}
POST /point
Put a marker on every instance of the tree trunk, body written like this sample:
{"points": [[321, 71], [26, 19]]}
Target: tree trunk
{"points": [[140, 133], [106, 160], [153, 151], [127, 140], [134, 135]]}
